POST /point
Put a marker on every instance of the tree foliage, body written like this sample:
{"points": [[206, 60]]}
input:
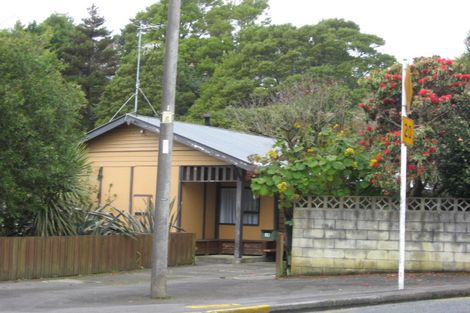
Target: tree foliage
{"points": [[267, 57], [329, 162], [91, 60], [308, 101], [316, 153], [207, 32], [39, 121], [88, 53], [440, 112]]}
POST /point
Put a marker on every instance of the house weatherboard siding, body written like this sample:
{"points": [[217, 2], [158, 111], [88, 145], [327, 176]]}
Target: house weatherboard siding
{"points": [[123, 154], [361, 234], [132, 146], [129, 154]]}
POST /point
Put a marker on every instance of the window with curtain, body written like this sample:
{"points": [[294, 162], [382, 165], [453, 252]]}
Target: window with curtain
{"points": [[227, 207]]}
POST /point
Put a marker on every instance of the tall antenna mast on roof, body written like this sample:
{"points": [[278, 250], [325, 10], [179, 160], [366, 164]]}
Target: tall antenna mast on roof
{"points": [[135, 95], [137, 74]]}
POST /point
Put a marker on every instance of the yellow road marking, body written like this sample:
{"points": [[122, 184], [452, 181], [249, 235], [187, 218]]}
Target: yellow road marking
{"points": [[246, 309]]}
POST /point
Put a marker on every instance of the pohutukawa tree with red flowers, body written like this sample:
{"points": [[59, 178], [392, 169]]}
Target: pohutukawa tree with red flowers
{"points": [[441, 97]]}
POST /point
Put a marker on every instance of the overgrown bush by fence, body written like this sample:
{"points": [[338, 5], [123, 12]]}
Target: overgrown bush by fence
{"points": [[40, 257]]}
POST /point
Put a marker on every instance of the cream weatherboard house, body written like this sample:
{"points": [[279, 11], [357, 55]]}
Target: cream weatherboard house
{"points": [[209, 165]]}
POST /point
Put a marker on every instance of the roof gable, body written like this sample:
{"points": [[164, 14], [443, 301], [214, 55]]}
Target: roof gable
{"points": [[227, 145]]}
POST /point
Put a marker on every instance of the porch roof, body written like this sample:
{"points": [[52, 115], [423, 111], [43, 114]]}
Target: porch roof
{"points": [[227, 145]]}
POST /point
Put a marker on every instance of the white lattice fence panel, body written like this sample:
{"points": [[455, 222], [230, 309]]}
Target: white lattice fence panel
{"points": [[385, 203]]}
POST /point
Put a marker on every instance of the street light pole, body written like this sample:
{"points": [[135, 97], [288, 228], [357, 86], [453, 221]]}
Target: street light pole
{"points": [[158, 284]]}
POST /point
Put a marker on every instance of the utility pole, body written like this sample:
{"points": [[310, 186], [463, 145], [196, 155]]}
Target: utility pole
{"points": [[158, 283]]}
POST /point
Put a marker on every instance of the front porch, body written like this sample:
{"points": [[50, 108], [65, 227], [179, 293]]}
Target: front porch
{"points": [[215, 203]]}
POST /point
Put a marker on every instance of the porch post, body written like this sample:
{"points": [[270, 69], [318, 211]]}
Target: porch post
{"points": [[238, 248], [180, 198]]}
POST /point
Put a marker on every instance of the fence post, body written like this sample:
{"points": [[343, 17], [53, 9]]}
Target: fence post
{"points": [[280, 263]]}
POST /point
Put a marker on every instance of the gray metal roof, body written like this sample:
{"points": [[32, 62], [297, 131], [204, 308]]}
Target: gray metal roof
{"points": [[228, 145]]}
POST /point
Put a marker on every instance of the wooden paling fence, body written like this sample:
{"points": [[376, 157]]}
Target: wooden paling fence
{"points": [[40, 257]]}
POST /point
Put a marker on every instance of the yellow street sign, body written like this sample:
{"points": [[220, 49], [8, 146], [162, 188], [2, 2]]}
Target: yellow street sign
{"points": [[407, 131], [408, 89]]}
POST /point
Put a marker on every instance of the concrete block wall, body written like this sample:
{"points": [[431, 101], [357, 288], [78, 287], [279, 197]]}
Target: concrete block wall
{"points": [[339, 240]]}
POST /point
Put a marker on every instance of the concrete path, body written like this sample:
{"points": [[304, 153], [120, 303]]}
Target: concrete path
{"points": [[208, 287]]}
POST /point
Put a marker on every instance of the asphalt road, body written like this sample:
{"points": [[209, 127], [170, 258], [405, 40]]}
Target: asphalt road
{"points": [[453, 305]]}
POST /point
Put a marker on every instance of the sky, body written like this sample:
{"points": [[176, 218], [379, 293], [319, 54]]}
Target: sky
{"points": [[410, 28]]}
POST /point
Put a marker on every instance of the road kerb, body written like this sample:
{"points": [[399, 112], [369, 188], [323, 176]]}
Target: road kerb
{"points": [[370, 300]]}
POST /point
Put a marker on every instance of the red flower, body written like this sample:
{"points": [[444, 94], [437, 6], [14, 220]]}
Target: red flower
{"points": [[393, 85], [443, 67], [396, 133], [396, 76], [361, 105], [426, 153], [445, 98], [387, 143], [435, 76], [369, 128], [369, 107], [425, 70], [423, 80], [432, 150], [423, 92], [433, 98], [362, 143], [382, 85], [387, 76], [387, 152], [411, 167]]}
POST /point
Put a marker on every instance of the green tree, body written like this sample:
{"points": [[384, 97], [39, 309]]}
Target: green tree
{"points": [[39, 114], [91, 60], [208, 32], [309, 101], [266, 57], [306, 162], [58, 31]]}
